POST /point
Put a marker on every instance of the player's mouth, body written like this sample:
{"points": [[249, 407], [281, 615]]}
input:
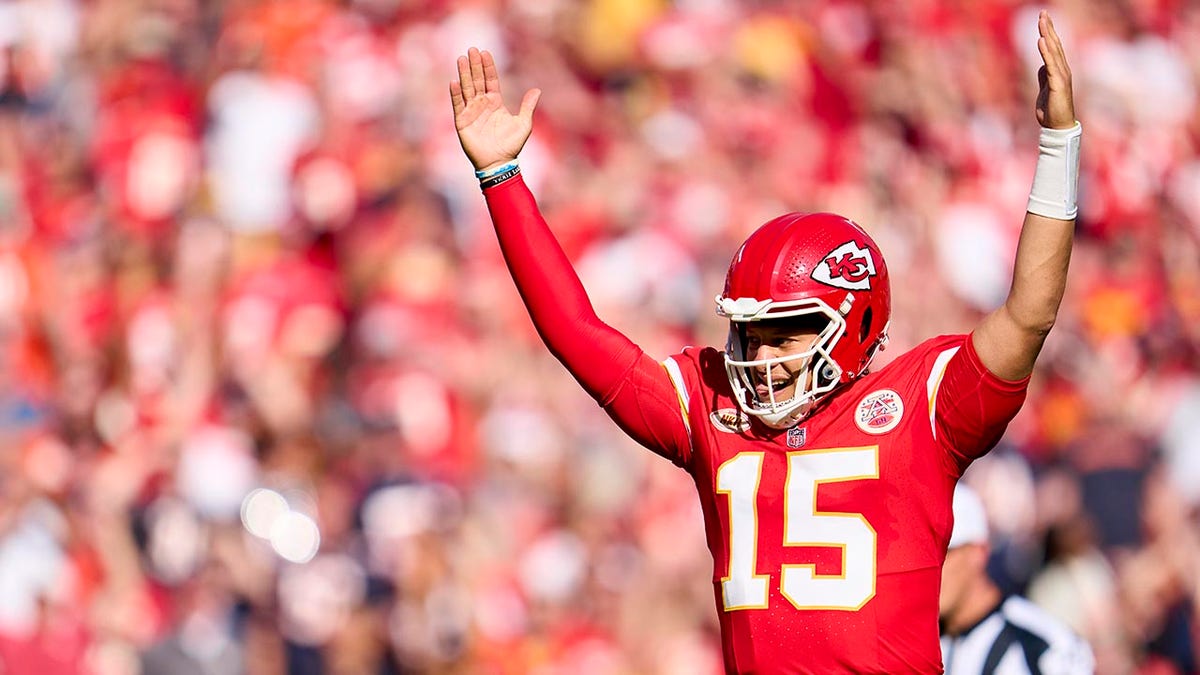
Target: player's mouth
{"points": [[780, 380]]}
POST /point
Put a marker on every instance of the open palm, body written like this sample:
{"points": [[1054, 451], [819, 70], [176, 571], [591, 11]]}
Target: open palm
{"points": [[489, 133], [1055, 107]]}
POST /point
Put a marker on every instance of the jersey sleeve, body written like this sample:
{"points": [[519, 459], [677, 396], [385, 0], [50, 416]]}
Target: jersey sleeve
{"points": [[633, 388], [650, 409], [969, 407]]}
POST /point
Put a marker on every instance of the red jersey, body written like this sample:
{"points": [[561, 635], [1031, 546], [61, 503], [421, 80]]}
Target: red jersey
{"points": [[828, 537]]}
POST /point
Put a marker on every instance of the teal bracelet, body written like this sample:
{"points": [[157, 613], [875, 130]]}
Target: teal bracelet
{"points": [[484, 174]]}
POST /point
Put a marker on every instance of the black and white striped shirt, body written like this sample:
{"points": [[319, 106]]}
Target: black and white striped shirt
{"points": [[1017, 638]]}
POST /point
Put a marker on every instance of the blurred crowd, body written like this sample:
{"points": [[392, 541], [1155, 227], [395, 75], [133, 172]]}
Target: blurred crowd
{"points": [[269, 403]]}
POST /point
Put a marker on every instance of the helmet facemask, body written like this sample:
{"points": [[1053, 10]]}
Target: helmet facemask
{"points": [[818, 373]]}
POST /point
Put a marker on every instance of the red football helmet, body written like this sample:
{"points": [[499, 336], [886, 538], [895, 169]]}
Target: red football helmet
{"points": [[817, 264]]}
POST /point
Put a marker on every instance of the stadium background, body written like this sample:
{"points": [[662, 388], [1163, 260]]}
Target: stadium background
{"points": [[249, 297]]}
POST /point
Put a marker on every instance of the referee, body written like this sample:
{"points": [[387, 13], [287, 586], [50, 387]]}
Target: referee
{"points": [[984, 633]]}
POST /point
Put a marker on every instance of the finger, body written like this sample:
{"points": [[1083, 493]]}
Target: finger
{"points": [[456, 98], [1044, 49], [464, 79], [1052, 35], [1053, 69], [491, 74], [476, 70], [1055, 43], [1045, 30], [529, 103]]}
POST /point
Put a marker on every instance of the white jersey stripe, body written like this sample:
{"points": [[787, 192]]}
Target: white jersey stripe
{"points": [[680, 390], [935, 381]]}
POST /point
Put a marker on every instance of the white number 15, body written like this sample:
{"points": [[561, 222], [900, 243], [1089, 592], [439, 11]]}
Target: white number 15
{"points": [[803, 526]]}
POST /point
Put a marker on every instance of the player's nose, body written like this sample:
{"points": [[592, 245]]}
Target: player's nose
{"points": [[765, 372], [763, 352]]}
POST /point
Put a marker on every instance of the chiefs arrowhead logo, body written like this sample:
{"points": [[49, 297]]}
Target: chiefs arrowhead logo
{"points": [[848, 266]]}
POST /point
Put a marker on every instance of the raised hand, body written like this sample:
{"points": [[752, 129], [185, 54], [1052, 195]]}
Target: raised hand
{"points": [[1055, 102], [489, 133]]}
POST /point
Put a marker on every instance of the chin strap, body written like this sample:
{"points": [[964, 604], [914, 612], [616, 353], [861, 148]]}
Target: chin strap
{"points": [[785, 420]]}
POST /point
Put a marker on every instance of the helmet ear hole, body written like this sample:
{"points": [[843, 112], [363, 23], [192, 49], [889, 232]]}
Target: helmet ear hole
{"points": [[827, 374], [865, 329]]}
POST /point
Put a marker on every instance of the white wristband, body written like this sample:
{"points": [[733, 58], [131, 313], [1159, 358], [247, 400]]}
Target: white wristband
{"points": [[1056, 180]]}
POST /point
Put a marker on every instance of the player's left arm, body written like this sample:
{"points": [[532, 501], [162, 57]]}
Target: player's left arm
{"points": [[1009, 339]]}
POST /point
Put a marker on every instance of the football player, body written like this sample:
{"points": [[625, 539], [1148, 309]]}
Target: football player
{"points": [[825, 486]]}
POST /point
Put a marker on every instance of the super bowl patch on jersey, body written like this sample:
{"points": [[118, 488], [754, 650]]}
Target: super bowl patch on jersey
{"points": [[729, 420], [879, 412]]}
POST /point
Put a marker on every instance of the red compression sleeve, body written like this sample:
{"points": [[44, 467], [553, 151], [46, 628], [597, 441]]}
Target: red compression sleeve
{"points": [[596, 354], [600, 358]]}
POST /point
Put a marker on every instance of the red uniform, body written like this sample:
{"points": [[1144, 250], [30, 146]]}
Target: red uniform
{"points": [[827, 537]]}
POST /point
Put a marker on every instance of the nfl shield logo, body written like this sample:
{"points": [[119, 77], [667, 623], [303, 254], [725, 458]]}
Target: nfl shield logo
{"points": [[796, 437]]}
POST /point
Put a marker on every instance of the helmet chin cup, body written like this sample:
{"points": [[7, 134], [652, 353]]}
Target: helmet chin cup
{"points": [[784, 420]]}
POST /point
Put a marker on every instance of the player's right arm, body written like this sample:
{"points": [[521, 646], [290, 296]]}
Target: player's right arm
{"points": [[633, 388]]}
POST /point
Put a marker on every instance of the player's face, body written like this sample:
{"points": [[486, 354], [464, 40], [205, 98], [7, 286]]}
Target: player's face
{"points": [[770, 340]]}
